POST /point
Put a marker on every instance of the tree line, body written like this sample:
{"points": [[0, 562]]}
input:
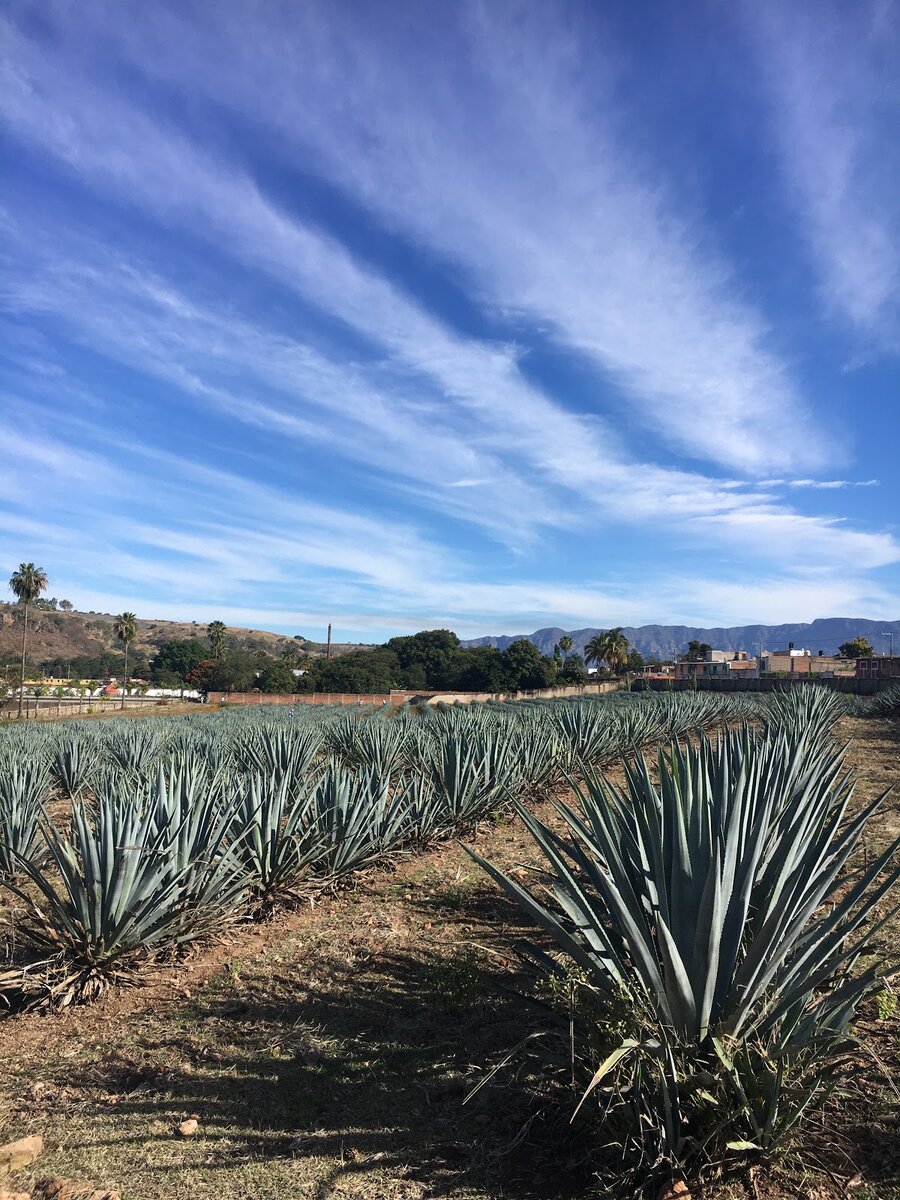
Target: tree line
{"points": [[433, 660]]}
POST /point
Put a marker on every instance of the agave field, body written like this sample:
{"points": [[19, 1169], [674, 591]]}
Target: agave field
{"points": [[705, 930]]}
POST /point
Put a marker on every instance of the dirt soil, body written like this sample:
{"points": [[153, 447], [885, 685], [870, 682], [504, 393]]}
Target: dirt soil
{"points": [[327, 1054]]}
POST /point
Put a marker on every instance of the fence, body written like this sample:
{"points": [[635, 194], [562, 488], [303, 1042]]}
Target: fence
{"points": [[398, 697], [46, 708], [859, 687]]}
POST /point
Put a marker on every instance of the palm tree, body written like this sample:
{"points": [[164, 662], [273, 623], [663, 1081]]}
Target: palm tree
{"points": [[125, 629], [27, 583], [217, 633], [610, 647], [593, 650], [615, 649], [565, 644]]}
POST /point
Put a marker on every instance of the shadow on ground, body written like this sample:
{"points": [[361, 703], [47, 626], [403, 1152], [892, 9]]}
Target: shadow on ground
{"points": [[351, 1063]]}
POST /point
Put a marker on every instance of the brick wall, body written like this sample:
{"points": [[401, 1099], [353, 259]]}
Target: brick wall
{"points": [[400, 697]]}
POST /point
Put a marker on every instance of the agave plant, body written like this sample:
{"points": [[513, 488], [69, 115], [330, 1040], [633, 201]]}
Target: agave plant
{"points": [[202, 850], [135, 749], [114, 898], [282, 750], [708, 902], [23, 788], [467, 776], [885, 704], [354, 817], [74, 766], [372, 742], [273, 835]]}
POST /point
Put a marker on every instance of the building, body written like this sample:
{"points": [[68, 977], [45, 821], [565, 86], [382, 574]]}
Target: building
{"points": [[803, 662], [880, 666], [718, 664]]}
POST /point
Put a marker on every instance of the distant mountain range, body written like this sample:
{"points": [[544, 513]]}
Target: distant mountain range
{"points": [[668, 641]]}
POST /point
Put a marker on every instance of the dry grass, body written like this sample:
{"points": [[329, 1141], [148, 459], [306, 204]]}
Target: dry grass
{"points": [[327, 1054]]}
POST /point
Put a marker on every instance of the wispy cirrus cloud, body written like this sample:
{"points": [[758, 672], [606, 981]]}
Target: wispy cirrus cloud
{"points": [[831, 73], [549, 214], [533, 189], [459, 462], [827, 485], [418, 277]]}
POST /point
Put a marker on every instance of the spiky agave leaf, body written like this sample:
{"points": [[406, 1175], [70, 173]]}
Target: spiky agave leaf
{"points": [[281, 750], [114, 898], [24, 786], [354, 817], [715, 899], [203, 843], [272, 834], [75, 764]]}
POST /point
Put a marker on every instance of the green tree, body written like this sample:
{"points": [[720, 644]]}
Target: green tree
{"points": [[478, 669], [373, 671], [526, 667], [572, 670], [236, 671], [27, 583], [593, 650], [277, 678], [565, 644], [696, 651], [125, 629], [610, 647], [615, 649], [175, 659], [425, 658], [858, 647], [218, 635]]}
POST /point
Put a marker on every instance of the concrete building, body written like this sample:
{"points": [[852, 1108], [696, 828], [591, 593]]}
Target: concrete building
{"points": [[718, 664], [803, 662]]}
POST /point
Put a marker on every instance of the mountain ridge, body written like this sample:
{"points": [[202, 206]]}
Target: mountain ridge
{"points": [[668, 641]]}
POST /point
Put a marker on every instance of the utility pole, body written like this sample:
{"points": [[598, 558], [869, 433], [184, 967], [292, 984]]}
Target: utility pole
{"points": [[890, 634], [328, 644]]}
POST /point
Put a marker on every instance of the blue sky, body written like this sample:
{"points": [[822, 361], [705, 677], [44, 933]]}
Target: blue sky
{"points": [[488, 315]]}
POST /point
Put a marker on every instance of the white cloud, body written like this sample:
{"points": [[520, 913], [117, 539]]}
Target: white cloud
{"points": [[206, 540], [550, 225], [532, 187], [831, 71], [460, 463], [831, 484], [548, 213]]}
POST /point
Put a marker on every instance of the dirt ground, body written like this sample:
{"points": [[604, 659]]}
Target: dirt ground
{"points": [[327, 1054]]}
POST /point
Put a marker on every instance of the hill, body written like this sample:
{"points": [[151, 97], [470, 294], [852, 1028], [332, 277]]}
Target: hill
{"points": [[62, 635], [667, 641]]}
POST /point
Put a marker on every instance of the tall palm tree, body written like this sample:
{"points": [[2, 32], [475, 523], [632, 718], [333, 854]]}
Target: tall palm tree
{"points": [[615, 649], [27, 583], [593, 650], [610, 647], [565, 644], [217, 633], [125, 629]]}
